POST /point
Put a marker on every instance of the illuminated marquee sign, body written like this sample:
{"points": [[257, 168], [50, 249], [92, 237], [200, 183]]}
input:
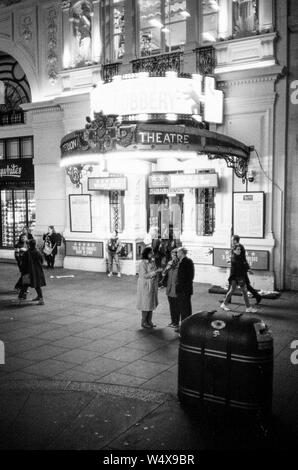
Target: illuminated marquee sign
{"points": [[107, 184], [163, 95], [197, 180]]}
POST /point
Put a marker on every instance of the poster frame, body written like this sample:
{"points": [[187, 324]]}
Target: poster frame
{"points": [[245, 235], [72, 229]]}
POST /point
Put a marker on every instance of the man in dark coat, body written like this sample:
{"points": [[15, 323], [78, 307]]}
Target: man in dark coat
{"points": [[184, 286], [32, 272]]}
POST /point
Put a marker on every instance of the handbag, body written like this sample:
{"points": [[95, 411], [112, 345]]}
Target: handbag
{"points": [[47, 249], [26, 279]]}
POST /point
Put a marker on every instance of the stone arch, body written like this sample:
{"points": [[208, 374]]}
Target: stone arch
{"points": [[25, 61]]}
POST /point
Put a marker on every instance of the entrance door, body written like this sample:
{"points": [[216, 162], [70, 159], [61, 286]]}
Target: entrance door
{"points": [[165, 216]]}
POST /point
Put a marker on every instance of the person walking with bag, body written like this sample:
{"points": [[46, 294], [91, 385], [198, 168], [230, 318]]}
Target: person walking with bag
{"points": [[238, 275], [32, 272], [51, 241], [255, 294], [147, 289]]}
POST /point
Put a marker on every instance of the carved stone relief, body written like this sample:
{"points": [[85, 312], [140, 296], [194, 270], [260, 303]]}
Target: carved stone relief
{"points": [[52, 58], [26, 27]]}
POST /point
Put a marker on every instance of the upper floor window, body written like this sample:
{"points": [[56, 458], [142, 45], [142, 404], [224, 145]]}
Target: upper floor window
{"points": [[162, 25], [17, 147], [227, 19]]}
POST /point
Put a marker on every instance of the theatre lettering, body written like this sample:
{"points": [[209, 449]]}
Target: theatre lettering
{"points": [[163, 138]]}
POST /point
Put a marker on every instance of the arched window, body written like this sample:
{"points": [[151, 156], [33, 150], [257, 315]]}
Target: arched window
{"points": [[14, 90]]}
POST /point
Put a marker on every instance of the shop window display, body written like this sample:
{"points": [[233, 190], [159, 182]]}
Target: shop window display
{"points": [[17, 210]]}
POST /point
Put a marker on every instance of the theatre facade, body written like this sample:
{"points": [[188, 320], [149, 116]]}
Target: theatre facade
{"points": [[157, 119]]}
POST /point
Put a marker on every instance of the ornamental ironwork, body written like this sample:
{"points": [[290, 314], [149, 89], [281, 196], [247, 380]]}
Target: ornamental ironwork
{"points": [[158, 65], [108, 133], [205, 60], [109, 71], [238, 164], [75, 174]]}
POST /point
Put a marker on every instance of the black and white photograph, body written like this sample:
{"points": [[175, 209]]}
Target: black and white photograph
{"points": [[149, 231]]}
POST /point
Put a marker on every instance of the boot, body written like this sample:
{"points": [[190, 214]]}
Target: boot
{"points": [[149, 320], [144, 323]]}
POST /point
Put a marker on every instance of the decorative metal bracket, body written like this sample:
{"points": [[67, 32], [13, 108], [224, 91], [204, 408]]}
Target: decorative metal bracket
{"points": [[76, 173], [238, 164]]}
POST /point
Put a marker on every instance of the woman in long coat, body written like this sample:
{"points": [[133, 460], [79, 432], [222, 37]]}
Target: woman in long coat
{"points": [[31, 268], [147, 290]]}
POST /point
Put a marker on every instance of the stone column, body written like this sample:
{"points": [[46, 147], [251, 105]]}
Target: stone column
{"points": [[224, 19], [49, 177], [130, 36], [96, 33], [265, 15], [193, 28], [66, 36]]}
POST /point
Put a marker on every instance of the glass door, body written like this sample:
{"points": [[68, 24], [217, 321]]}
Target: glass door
{"points": [[166, 216]]}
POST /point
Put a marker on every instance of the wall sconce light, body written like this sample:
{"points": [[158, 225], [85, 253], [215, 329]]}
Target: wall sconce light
{"points": [[250, 176]]}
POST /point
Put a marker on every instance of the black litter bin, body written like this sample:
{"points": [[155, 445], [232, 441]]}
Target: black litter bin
{"points": [[226, 363]]}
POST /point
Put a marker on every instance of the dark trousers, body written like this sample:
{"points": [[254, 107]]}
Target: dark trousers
{"points": [[50, 259], [174, 310], [22, 293], [250, 288], [184, 305]]}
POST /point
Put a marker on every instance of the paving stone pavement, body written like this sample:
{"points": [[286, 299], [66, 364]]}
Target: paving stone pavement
{"points": [[80, 373]]}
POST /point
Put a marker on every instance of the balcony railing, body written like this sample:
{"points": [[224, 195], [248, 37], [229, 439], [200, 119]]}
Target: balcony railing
{"points": [[109, 71], [9, 118], [158, 65], [205, 60]]}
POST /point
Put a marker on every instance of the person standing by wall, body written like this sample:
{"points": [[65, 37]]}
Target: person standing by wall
{"points": [[32, 272], [147, 289], [184, 286], [52, 240], [113, 250], [238, 275], [255, 294]]}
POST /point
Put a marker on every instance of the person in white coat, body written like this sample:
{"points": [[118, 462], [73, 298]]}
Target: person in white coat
{"points": [[147, 289]]}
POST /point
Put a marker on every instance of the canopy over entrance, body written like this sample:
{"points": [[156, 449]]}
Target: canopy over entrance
{"points": [[106, 135]]}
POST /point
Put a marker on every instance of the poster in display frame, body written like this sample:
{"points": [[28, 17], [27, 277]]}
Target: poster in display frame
{"points": [[248, 207], [80, 210]]}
